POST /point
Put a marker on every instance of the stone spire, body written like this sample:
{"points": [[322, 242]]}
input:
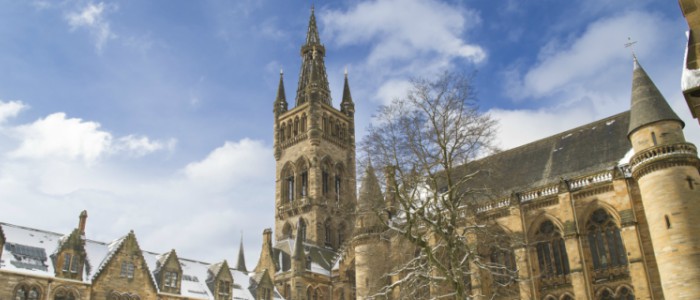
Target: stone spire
{"points": [[313, 81], [370, 192], [280, 105], [240, 264], [347, 106], [298, 253], [648, 105]]}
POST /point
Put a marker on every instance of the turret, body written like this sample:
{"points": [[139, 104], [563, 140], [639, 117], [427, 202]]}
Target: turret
{"points": [[666, 169], [280, 104], [347, 106], [298, 254], [265, 261], [370, 250]]}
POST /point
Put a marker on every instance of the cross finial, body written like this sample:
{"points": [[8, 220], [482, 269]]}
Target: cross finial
{"points": [[346, 71], [630, 44]]}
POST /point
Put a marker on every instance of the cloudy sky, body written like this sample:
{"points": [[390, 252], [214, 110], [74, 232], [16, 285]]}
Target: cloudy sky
{"points": [[156, 116]]}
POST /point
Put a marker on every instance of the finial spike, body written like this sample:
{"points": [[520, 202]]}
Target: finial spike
{"points": [[346, 71], [281, 72]]}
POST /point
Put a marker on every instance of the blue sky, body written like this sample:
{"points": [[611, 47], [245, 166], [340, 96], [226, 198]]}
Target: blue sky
{"points": [[157, 115]]}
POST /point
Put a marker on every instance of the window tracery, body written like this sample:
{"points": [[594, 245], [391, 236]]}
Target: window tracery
{"points": [[552, 259], [605, 245]]}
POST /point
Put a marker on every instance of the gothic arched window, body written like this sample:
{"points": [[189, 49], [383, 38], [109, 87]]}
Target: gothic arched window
{"points": [[504, 265], [551, 251], [302, 229], [327, 232], [302, 124], [64, 294], [24, 292], [604, 241], [625, 294]]}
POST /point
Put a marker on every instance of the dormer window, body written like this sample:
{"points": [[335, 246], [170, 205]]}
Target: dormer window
{"points": [[170, 279], [127, 269], [224, 290]]}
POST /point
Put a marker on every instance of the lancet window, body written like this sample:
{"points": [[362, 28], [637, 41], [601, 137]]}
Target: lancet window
{"points": [[24, 292], [65, 294], [552, 259], [604, 242]]}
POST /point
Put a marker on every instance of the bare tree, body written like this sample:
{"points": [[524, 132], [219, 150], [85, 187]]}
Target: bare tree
{"points": [[426, 139]]}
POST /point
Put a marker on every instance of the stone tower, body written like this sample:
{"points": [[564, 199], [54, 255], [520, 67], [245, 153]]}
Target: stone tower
{"points": [[371, 251], [666, 169], [314, 146]]}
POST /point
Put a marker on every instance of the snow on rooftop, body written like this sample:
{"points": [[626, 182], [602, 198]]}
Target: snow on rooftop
{"points": [[31, 256]]}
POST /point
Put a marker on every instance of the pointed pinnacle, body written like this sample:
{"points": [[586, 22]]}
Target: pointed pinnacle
{"points": [[648, 104], [312, 33]]}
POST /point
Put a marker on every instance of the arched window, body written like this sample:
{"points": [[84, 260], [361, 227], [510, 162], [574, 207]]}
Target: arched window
{"points": [[64, 294], [606, 294], [308, 293], [604, 241], [288, 134], [303, 123], [288, 184], [551, 254], [296, 126], [24, 292], [341, 234], [302, 229], [327, 232], [316, 294], [287, 291], [625, 294], [567, 297], [504, 265], [287, 231], [281, 132]]}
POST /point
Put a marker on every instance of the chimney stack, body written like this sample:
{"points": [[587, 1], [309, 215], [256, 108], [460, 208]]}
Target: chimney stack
{"points": [[81, 224]]}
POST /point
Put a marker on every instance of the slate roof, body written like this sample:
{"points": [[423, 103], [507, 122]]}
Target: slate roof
{"points": [[648, 105], [322, 259], [597, 146], [26, 249]]}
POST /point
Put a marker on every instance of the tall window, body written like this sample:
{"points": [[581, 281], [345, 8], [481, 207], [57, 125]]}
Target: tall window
{"points": [[324, 178], [604, 242], [551, 252], [74, 264], [337, 188], [327, 232], [304, 183], [504, 265], [66, 262], [302, 230], [290, 188]]}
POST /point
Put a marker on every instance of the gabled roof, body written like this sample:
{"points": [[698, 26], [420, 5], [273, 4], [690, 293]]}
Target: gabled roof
{"points": [[322, 259], [98, 254]]}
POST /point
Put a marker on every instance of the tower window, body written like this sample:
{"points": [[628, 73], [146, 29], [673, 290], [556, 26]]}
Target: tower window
{"points": [[605, 242], [337, 188], [290, 188], [668, 222], [653, 138], [304, 183], [325, 177]]}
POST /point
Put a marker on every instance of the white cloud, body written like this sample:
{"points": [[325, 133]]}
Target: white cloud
{"points": [[92, 18], [10, 109], [392, 89], [419, 26], [598, 49], [141, 145], [232, 162], [57, 136]]}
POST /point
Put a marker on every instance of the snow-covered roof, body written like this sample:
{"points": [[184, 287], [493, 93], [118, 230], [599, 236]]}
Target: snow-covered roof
{"points": [[27, 251]]}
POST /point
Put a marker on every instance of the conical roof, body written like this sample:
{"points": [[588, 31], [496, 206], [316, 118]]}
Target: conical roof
{"points": [[648, 105], [281, 99], [370, 192], [240, 264], [346, 105]]}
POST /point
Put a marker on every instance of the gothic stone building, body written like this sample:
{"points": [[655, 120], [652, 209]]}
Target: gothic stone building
{"points": [[42, 265], [602, 211]]}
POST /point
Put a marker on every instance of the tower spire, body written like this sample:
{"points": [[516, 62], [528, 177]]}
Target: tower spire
{"points": [[313, 81], [280, 105], [648, 105], [346, 105], [240, 264]]}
